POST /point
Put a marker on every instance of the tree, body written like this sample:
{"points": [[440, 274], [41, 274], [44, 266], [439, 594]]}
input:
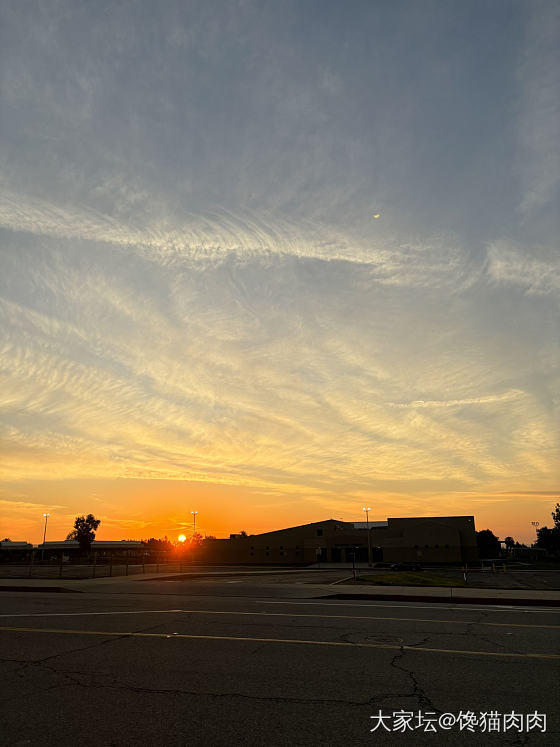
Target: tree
{"points": [[549, 539], [158, 545], [509, 542], [488, 544], [84, 531], [556, 516]]}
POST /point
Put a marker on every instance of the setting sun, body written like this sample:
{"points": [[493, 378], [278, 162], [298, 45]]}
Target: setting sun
{"points": [[181, 538]]}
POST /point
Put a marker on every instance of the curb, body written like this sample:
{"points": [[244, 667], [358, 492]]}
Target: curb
{"points": [[446, 600], [40, 588]]}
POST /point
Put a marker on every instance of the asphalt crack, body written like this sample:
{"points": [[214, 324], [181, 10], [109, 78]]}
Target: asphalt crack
{"points": [[418, 692]]}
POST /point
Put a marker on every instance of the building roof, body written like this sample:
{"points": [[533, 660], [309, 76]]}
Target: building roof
{"points": [[98, 544]]}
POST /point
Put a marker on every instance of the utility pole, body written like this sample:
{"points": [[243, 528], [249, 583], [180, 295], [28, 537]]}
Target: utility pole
{"points": [[535, 525], [194, 513], [367, 510], [46, 517]]}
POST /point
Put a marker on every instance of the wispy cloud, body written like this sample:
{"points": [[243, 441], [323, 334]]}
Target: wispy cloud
{"points": [[538, 128], [535, 268], [198, 241], [188, 300], [489, 399], [27, 507]]}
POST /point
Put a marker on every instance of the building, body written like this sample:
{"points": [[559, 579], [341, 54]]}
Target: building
{"points": [[11, 552], [433, 539], [103, 549]]}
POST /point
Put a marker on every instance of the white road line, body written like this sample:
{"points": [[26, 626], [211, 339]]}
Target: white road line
{"points": [[87, 614], [372, 604], [291, 615]]}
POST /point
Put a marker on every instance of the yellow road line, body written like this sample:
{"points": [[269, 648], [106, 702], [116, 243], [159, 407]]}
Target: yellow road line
{"points": [[285, 614], [131, 634]]}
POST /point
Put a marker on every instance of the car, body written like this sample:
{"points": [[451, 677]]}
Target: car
{"points": [[406, 567], [384, 565]]}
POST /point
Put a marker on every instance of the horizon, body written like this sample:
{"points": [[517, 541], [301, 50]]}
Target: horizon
{"points": [[175, 539], [269, 262]]}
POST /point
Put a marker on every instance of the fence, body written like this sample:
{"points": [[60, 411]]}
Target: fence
{"points": [[96, 565]]}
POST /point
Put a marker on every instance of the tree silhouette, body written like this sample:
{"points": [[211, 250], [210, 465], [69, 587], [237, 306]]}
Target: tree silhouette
{"points": [[488, 544], [84, 531], [158, 545], [509, 542], [549, 539], [556, 516]]}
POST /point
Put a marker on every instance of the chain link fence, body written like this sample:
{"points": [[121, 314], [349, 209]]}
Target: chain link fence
{"points": [[95, 565]]}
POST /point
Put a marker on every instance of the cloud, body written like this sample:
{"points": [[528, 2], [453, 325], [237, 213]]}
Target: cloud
{"points": [[273, 371], [184, 299], [199, 241], [491, 500], [489, 399], [28, 507], [536, 269], [539, 76]]}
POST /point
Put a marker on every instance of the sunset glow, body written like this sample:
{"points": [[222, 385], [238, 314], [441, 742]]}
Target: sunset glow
{"points": [[198, 309]]}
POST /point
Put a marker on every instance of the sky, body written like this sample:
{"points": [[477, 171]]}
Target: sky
{"points": [[199, 310]]}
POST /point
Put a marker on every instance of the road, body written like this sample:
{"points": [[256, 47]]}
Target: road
{"points": [[240, 661]]}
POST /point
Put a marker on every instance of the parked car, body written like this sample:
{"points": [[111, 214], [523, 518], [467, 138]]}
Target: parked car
{"points": [[384, 565], [407, 567]]}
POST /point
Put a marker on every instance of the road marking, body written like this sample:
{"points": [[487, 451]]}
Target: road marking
{"points": [[86, 614], [402, 648], [291, 615], [373, 604]]}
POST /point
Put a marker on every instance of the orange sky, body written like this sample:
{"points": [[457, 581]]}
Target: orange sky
{"points": [[139, 509]]}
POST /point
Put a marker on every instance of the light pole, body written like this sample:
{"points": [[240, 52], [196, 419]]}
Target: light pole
{"points": [[367, 510], [194, 513], [46, 517]]}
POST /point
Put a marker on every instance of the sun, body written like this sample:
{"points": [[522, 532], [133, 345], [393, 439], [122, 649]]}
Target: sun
{"points": [[181, 538]]}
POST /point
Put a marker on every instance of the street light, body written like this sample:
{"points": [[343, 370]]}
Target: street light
{"points": [[536, 525], [367, 510], [194, 513], [46, 517], [45, 529]]}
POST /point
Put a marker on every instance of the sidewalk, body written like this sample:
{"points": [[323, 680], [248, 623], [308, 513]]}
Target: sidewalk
{"points": [[456, 595]]}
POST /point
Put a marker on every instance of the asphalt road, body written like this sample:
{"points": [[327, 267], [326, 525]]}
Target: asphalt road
{"points": [[237, 661]]}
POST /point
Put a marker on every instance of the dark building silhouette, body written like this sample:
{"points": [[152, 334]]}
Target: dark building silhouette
{"points": [[433, 539]]}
